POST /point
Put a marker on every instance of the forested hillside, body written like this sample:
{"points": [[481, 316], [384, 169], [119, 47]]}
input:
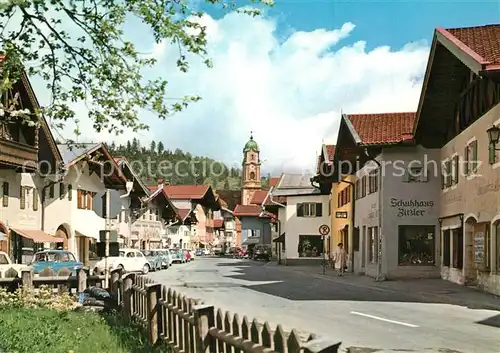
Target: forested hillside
{"points": [[176, 167]]}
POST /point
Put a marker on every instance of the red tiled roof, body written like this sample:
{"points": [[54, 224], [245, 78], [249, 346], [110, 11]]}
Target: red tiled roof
{"points": [[186, 192], [384, 128], [274, 181], [247, 210], [258, 197], [218, 223], [330, 152], [483, 41]]}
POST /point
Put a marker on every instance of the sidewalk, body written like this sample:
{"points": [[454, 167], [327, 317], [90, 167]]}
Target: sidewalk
{"points": [[426, 290]]}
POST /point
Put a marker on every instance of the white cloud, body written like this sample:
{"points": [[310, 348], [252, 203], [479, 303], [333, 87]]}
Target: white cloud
{"points": [[290, 93]]}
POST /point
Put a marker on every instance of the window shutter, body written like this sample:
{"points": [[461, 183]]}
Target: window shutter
{"points": [[61, 191], [339, 199], [22, 197], [474, 156], [443, 182], [319, 209], [79, 199], [455, 169], [466, 160], [51, 191], [5, 194], [300, 210], [70, 192], [35, 200], [492, 155]]}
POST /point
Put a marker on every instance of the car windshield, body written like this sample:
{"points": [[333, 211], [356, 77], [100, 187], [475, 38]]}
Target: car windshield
{"points": [[122, 254], [52, 257]]}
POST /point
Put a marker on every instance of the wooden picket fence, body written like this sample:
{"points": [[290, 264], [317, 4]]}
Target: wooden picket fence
{"points": [[189, 326]]}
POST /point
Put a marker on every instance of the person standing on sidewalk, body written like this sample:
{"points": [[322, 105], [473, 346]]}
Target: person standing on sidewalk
{"points": [[340, 259]]}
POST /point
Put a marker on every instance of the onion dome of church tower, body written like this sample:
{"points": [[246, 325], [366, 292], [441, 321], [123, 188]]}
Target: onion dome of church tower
{"points": [[251, 145]]}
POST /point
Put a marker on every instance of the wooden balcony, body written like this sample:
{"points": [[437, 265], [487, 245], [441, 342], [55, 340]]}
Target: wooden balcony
{"points": [[14, 154]]}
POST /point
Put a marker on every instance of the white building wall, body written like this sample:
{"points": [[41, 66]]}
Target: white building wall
{"points": [[295, 226]]}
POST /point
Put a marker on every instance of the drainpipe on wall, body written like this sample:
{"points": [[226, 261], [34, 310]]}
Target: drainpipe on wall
{"points": [[380, 276]]}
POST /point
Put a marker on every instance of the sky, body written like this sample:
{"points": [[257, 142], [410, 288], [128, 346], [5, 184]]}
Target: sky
{"points": [[289, 74]]}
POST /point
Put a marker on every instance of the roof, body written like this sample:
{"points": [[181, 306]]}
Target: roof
{"points": [[329, 152], [258, 197], [294, 184], [482, 42], [247, 211], [183, 213], [218, 223], [232, 197], [123, 163], [186, 192], [71, 152], [383, 128], [251, 145], [274, 181]]}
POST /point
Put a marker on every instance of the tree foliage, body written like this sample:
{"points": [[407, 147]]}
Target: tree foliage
{"points": [[78, 47], [176, 167]]}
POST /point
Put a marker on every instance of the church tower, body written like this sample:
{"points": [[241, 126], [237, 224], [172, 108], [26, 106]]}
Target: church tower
{"points": [[251, 171]]}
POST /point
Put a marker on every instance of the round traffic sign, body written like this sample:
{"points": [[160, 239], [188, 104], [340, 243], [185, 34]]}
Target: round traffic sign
{"points": [[324, 229]]}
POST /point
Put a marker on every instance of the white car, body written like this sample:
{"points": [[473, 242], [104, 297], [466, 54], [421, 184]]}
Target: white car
{"points": [[6, 264], [130, 260]]}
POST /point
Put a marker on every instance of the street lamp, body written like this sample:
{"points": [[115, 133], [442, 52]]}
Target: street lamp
{"points": [[493, 134]]}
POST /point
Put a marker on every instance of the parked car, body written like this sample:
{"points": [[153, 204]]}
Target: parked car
{"points": [[129, 260], [262, 252], [178, 256], [6, 264], [166, 259], [56, 260], [198, 252], [206, 252], [153, 258]]}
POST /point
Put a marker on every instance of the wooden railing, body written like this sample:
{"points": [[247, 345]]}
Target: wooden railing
{"points": [[188, 325]]}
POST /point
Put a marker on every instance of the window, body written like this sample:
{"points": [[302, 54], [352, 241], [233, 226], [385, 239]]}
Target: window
{"points": [[416, 245], [497, 235], [84, 200], [22, 197], [310, 246], [309, 209], [62, 190], [470, 156], [458, 248], [5, 194], [372, 244], [252, 175], [373, 182], [344, 196], [446, 247], [363, 186], [35, 200], [51, 191]]}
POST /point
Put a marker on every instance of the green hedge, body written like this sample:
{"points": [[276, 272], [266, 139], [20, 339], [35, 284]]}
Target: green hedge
{"points": [[43, 330]]}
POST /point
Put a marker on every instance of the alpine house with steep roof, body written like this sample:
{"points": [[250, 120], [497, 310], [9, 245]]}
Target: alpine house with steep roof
{"points": [[396, 196]]}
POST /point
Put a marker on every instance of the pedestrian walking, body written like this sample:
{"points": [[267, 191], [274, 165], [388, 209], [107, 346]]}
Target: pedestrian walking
{"points": [[340, 259]]}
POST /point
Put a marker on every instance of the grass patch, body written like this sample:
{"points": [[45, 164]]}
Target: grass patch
{"points": [[42, 330]]}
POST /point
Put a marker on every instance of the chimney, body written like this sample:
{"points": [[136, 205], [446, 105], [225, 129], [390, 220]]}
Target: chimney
{"points": [[160, 183]]}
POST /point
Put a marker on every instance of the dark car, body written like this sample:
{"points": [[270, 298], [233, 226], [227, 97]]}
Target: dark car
{"points": [[262, 252]]}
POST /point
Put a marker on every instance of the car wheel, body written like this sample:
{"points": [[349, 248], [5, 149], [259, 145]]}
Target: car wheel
{"points": [[145, 269]]}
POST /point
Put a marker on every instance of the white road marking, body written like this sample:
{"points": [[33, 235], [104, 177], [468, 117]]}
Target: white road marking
{"points": [[382, 319]]}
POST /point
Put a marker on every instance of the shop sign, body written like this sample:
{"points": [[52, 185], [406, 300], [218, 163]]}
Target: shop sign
{"points": [[340, 214], [411, 208]]}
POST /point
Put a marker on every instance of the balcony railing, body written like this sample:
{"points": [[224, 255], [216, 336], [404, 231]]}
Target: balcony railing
{"points": [[18, 154]]}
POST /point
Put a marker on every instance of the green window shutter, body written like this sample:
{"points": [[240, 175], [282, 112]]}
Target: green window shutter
{"points": [[492, 154], [22, 197], [300, 210], [5, 194], [455, 169], [319, 209], [70, 192], [466, 160], [35, 200], [474, 156]]}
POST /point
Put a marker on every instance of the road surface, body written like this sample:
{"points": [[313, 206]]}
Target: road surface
{"points": [[368, 319]]}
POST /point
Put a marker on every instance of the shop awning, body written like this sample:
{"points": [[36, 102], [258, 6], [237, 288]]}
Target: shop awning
{"points": [[38, 236], [251, 240], [80, 234], [279, 239]]}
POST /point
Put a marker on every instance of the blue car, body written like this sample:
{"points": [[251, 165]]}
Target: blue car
{"points": [[58, 261]]}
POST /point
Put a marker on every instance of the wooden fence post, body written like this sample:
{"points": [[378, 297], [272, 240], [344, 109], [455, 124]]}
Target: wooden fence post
{"points": [[82, 279], [204, 319], [128, 292], [153, 311], [27, 278]]}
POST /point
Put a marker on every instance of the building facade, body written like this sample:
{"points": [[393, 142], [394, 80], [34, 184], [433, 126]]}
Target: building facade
{"points": [[464, 65]]}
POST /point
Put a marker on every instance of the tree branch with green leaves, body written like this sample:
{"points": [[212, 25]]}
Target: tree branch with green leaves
{"points": [[94, 62]]}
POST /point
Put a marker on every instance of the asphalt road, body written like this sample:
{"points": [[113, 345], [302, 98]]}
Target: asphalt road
{"points": [[373, 320]]}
